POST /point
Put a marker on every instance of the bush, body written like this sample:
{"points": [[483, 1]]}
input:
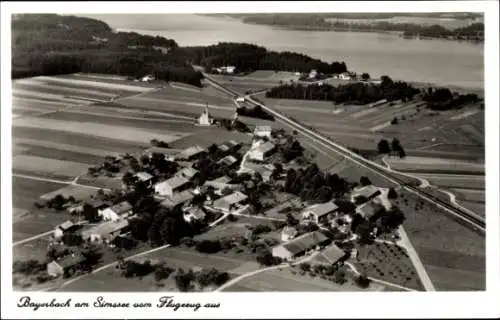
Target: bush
{"points": [[266, 258], [232, 218], [208, 246], [162, 272], [392, 194], [362, 281], [28, 267]]}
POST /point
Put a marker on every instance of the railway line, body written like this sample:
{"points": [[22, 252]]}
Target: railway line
{"points": [[467, 217]]}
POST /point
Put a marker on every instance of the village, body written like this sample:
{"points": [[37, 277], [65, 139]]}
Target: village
{"points": [[168, 197]]}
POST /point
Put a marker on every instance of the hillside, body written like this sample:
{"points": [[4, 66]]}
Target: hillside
{"points": [[48, 44]]}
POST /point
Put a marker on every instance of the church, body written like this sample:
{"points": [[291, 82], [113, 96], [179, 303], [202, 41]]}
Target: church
{"points": [[205, 119]]}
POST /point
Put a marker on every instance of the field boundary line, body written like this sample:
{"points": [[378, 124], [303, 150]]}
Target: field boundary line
{"points": [[386, 283]]}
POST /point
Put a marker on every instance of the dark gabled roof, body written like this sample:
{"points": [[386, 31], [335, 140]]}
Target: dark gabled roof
{"points": [[305, 242], [333, 253]]}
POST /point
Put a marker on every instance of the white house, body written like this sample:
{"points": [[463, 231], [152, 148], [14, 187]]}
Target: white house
{"points": [[260, 151], [65, 264], [240, 99], [288, 233], [116, 212], [344, 76], [147, 78], [190, 153], [320, 213], [188, 173], [299, 245], [263, 131], [61, 229], [194, 214], [105, 232], [171, 186], [313, 74], [178, 199], [145, 177]]}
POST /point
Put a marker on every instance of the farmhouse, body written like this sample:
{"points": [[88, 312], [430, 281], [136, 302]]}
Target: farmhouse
{"points": [[66, 264], [188, 173], [265, 170], [178, 199], [313, 74], [228, 203], [63, 228], [345, 76], [143, 176], [288, 233], [194, 214], [369, 192], [333, 254], [222, 183], [262, 131], [105, 232], [116, 212], [191, 153], [369, 209], [228, 146], [228, 161], [320, 213], [171, 186], [299, 245], [260, 151]]}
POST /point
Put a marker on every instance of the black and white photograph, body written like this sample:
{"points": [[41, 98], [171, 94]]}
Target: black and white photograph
{"points": [[247, 151]]}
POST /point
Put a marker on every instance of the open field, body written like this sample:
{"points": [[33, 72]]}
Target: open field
{"points": [[51, 167], [79, 193], [455, 181], [447, 249], [388, 262], [27, 191], [435, 165], [284, 280]]}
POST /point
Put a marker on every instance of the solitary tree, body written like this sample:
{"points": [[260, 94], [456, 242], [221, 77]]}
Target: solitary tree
{"points": [[383, 147], [365, 76]]}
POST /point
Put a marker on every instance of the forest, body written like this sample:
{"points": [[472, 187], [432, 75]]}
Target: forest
{"points": [[351, 93]]}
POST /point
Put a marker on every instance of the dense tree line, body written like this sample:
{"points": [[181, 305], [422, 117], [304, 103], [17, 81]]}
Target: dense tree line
{"points": [[351, 93], [319, 22], [444, 99], [255, 112], [313, 185], [248, 57], [52, 44]]}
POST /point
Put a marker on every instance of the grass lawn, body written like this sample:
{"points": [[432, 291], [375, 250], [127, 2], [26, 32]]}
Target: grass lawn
{"points": [[285, 280], [388, 262], [442, 242], [205, 137], [39, 221], [64, 155], [79, 193], [26, 191]]}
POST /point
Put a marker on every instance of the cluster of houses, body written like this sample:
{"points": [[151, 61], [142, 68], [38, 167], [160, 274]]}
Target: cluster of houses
{"points": [[323, 214]]}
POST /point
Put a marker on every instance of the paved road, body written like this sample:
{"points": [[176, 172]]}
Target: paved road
{"points": [[415, 259], [474, 221], [38, 236]]}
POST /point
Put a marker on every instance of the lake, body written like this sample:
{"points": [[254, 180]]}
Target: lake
{"points": [[437, 61]]}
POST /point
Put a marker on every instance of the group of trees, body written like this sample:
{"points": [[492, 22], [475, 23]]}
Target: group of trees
{"points": [[313, 185], [255, 112], [384, 220], [205, 277], [383, 147], [443, 99], [57, 202], [323, 22], [351, 93], [248, 57], [51, 44]]}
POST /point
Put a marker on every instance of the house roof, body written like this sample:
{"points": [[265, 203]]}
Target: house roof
{"points": [[143, 176], [121, 207], [265, 147], [366, 191], [189, 152], [227, 201], [165, 151], [304, 242], [178, 198], [228, 160], [232, 143], [96, 203], [70, 260], [187, 172], [105, 228], [174, 182], [224, 147], [195, 212], [289, 231], [333, 253], [66, 225], [368, 209], [259, 129], [321, 209]]}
